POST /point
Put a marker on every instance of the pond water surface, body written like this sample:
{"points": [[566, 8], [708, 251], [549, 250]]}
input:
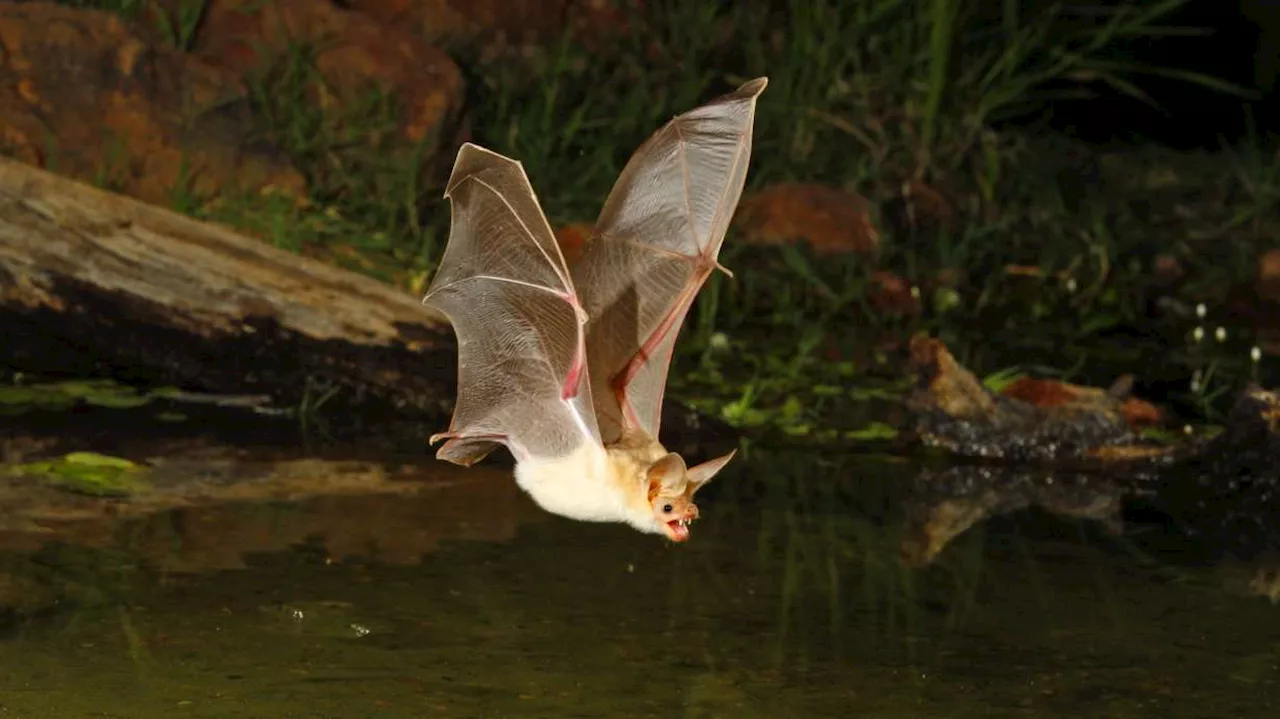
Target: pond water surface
{"points": [[791, 600]]}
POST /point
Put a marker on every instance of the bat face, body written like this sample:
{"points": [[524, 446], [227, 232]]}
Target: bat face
{"points": [[674, 514], [671, 490]]}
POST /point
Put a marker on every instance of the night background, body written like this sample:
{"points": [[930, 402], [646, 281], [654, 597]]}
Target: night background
{"points": [[998, 357]]}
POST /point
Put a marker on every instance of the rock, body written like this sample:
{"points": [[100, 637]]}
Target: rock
{"points": [[1167, 269], [1072, 451], [891, 294], [1030, 420], [919, 210], [831, 220], [83, 95], [1225, 489], [497, 25], [1054, 394], [1258, 303], [354, 53], [1269, 276]]}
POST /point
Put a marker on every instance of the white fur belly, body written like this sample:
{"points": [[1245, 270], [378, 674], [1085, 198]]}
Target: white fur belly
{"points": [[577, 486]]}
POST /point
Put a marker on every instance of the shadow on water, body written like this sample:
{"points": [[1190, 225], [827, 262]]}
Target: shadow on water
{"points": [[815, 585]]}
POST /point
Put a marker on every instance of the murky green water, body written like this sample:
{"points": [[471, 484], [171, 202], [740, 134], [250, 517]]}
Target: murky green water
{"points": [[791, 600]]}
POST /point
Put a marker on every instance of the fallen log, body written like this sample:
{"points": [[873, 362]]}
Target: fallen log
{"points": [[94, 283]]}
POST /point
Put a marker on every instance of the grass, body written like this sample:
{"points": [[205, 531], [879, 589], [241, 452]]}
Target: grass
{"points": [[867, 95]]}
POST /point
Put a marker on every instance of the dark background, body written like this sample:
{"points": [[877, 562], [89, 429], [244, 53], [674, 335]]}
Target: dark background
{"points": [[1240, 44]]}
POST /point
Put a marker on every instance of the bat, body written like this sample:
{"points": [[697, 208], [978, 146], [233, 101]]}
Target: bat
{"points": [[567, 368]]}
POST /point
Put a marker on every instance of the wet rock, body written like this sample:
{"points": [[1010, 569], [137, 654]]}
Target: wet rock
{"points": [[1221, 491], [1031, 420], [1050, 394], [85, 96], [1228, 487], [353, 52], [830, 220]]}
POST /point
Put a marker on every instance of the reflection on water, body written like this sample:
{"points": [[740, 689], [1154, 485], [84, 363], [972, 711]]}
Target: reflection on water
{"points": [[450, 595]]}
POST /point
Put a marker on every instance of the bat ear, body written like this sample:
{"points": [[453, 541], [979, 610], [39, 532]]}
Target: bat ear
{"points": [[702, 473], [666, 472]]}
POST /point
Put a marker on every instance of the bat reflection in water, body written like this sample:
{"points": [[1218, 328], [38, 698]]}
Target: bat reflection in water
{"points": [[567, 369]]}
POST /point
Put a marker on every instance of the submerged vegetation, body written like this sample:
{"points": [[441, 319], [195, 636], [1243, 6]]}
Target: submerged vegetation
{"points": [[1034, 252]]}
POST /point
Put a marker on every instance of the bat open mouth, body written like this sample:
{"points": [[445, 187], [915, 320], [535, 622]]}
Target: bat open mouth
{"points": [[678, 530]]}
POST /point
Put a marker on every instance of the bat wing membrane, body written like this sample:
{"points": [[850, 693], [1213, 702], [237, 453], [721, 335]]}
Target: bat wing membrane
{"points": [[503, 284], [655, 243]]}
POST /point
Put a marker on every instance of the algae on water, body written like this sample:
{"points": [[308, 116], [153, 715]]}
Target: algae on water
{"points": [[56, 396], [87, 473]]}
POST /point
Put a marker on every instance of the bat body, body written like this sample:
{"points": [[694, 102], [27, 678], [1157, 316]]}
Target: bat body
{"points": [[567, 369]]}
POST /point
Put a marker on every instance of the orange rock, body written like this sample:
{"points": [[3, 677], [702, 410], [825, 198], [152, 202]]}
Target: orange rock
{"points": [[1042, 392], [919, 210], [354, 53], [1046, 393], [891, 294], [832, 221], [497, 24], [928, 205], [1269, 275], [1167, 268], [571, 239], [1023, 270], [85, 96], [1141, 413]]}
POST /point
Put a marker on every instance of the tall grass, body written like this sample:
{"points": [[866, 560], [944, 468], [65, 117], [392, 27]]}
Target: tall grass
{"points": [[866, 90], [870, 95]]}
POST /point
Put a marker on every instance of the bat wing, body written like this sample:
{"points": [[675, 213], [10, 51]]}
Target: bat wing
{"points": [[654, 245], [504, 285]]}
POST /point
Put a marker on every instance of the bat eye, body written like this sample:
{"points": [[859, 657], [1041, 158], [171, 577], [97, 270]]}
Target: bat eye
{"points": [[666, 508]]}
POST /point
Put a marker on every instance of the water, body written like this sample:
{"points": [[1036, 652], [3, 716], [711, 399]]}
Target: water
{"points": [[446, 593]]}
